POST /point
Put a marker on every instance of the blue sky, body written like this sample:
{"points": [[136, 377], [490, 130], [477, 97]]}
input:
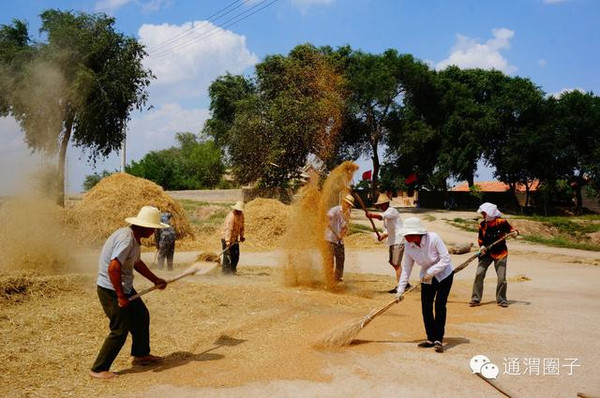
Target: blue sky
{"points": [[552, 42]]}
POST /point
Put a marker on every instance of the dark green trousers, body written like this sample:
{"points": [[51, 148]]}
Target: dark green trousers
{"points": [[133, 319]]}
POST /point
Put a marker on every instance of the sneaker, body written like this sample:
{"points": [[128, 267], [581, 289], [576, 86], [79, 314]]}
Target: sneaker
{"points": [[425, 344], [438, 347], [474, 304], [408, 286], [503, 305], [393, 291]]}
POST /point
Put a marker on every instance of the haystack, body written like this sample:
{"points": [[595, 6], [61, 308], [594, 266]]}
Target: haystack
{"points": [[105, 207], [266, 220]]}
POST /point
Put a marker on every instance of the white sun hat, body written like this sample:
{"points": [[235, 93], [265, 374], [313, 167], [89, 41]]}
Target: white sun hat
{"points": [[148, 217], [239, 206], [413, 226], [349, 199]]}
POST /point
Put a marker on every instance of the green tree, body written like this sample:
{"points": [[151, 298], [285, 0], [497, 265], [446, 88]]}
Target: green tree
{"points": [[520, 148], [225, 93], [194, 164], [576, 132], [295, 112], [92, 180], [379, 87], [77, 87]]}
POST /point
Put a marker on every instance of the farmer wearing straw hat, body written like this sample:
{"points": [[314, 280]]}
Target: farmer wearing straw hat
{"points": [[232, 234], [164, 239], [120, 255], [392, 223], [429, 251], [491, 228], [338, 218]]}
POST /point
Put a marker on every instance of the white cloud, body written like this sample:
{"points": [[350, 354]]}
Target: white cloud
{"points": [[542, 62], [110, 6], [471, 53], [187, 58]]}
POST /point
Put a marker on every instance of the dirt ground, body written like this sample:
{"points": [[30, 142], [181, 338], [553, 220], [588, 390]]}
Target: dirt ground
{"points": [[249, 335]]}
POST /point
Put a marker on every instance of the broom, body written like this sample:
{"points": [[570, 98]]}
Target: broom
{"points": [[345, 334]]}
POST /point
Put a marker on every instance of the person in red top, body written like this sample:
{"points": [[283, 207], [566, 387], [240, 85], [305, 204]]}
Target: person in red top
{"points": [[492, 228]]}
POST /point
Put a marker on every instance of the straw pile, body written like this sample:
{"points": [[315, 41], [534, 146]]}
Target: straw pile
{"points": [[266, 220], [104, 207], [18, 288]]}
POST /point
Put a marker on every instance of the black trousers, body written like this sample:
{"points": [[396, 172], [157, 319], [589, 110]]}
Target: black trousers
{"points": [[134, 318], [231, 258], [435, 292]]}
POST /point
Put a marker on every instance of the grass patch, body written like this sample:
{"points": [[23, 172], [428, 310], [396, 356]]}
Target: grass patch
{"points": [[464, 224], [359, 228], [561, 241], [572, 226]]}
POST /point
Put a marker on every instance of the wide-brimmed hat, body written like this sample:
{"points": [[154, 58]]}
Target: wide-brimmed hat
{"points": [[413, 226], [239, 206], [148, 217], [382, 199], [349, 199]]}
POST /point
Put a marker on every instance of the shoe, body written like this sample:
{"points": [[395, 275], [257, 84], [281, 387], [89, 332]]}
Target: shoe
{"points": [[393, 290], [146, 360], [503, 305], [425, 344], [474, 304], [438, 347], [408, 286]]}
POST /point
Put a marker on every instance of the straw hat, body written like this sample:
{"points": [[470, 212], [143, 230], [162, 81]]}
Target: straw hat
{"points": [[383, 198], [413, 226], [349, 199], [148, 217], [239, 206]]}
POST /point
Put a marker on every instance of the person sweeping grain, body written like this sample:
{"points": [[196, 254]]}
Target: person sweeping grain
{"points": [[338, 218], [429, 251], [492, 227], [232, 234], [392, 223], [120, 255]]}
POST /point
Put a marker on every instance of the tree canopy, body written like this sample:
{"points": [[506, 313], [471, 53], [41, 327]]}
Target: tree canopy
{"points": [[78, 86]]}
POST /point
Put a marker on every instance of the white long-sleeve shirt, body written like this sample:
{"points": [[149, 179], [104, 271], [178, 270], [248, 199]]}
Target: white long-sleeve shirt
{"points": [[392, 222], [432, 255], [337, 224]]}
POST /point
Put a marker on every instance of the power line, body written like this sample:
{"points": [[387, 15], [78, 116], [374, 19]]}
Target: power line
{"points": [[191, 29], [230, 22]]}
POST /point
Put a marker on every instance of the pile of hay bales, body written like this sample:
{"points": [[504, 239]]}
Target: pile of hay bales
{"points": [[105, 207], [266, 220]]}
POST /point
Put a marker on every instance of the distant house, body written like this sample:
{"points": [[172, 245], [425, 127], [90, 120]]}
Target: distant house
{"points": [[495, 186]]}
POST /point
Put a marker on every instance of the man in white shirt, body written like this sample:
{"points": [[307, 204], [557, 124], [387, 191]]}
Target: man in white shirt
{"points": [[392, 224], [427, 250], [338, 218], [119, 257]]}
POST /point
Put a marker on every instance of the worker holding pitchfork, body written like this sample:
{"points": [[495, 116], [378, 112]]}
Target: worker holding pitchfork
{"points": [[119, 257], [429, 251]]}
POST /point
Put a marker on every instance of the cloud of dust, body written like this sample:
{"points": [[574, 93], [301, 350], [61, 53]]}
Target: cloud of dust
{"points": [[33, 237], [306, 261]]}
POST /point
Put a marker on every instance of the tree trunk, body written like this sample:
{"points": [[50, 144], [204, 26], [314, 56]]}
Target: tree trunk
{"points": [[62, 157], [579, 197], [376, 165], [471, 180]]}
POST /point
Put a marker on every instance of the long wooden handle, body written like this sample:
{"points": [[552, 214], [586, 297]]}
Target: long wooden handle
{"points": [[476, 255], [362, 205], [183, 275]]}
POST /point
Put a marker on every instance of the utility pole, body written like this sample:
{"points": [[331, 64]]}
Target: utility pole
{"points": [[123, 154]]}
